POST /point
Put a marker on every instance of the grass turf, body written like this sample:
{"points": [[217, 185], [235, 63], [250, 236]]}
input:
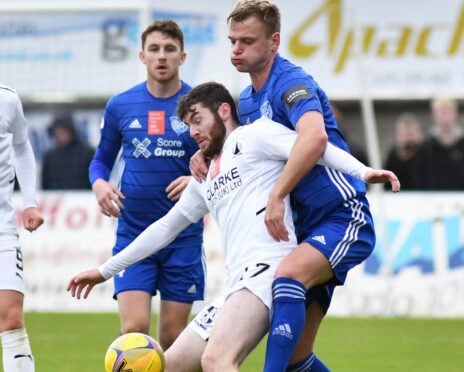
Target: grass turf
{"points": [[78, 342]]}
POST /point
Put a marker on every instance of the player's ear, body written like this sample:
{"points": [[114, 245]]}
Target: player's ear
{"points": [[224, 111], [142, 57], [183, 55], [275, 41]]}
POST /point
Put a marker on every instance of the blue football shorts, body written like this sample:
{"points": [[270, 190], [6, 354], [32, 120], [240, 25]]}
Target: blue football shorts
{"points": [[177, 273], [346, 238]]}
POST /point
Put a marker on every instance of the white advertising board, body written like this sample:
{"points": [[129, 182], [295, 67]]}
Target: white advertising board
{"points": [[416, 269], [352, 47]]}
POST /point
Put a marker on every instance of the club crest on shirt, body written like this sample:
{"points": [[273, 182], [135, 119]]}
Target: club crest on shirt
{"points": [[178, 125], [266, 110]]}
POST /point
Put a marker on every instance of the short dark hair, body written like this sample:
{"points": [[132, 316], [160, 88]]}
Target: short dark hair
{"points": [[166, 27], [211, 95], [265, 11]]}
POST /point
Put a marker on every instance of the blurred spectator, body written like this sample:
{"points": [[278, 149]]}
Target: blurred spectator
{"points": [[402, 158], [65, 167], [356, 149], [441, 158]]}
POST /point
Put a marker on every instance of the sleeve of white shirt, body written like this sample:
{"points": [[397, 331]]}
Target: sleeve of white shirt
{"points": [[275, 141], [24, 158], [159, 234], [270, 140], [338, 159]]}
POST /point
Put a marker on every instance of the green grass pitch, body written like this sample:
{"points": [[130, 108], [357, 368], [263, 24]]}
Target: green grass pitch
{"points": [[78, 342]]}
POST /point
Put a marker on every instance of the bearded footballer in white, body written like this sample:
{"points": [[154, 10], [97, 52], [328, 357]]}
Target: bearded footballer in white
{"points": [[244, 167], [15, 155]]}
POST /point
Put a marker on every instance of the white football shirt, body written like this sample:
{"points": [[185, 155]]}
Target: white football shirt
{"points": [[236, 191], [13, 130]]}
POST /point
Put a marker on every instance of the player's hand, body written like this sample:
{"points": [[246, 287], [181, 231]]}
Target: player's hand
{"points": [[85, 280], [198, 166], [383, 176], [274, 218], [108, 197], [32, 219], [176, 187]]}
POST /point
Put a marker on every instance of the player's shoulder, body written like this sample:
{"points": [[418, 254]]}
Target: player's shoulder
{"points": [[130, 95], [8, 93], [185, 88], [260, 127], [286, 73], [9, 97]]}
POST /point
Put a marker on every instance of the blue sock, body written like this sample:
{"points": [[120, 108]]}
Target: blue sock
{"points": [[287, 323], [309, 364]]}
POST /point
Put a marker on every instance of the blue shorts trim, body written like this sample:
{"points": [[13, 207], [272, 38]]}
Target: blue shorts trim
{"points": [[346, 238]]}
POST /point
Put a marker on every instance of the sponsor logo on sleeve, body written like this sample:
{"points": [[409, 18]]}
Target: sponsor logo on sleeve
{"points": [[295, 94]]}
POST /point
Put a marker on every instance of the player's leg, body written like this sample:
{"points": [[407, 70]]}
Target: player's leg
{"points": [[181, 281], [134, 311], [17, 354], [185, 353], [240, 325], [134, 288], [349, 238], [304, 359], [303, 268], [173, 318]]}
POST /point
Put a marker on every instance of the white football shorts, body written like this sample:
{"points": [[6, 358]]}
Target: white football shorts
{"points": [[11, 268], [256, 277]]}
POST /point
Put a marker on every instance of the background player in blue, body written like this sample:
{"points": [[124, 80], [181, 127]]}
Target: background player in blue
{"points": [[152, 173]]}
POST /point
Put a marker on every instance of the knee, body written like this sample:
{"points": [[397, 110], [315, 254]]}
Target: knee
{"points": [[11, 319], [133, 326], [288, 271]]}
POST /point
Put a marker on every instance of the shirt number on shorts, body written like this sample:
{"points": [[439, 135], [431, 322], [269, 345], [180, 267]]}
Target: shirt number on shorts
{"points": [[255, 270]]}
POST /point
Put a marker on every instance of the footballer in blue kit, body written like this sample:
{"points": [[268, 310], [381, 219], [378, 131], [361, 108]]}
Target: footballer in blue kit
{"points": [[156, 149], [332, 219], [288, 93]]}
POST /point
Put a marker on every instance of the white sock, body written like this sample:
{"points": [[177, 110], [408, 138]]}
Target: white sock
{"points": [[17, 354]]}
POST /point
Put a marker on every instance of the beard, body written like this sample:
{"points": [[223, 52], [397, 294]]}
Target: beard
{"points": [[217, 134]]}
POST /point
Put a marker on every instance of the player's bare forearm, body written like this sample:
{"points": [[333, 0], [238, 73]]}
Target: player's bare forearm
{"points": [[308, 148]]}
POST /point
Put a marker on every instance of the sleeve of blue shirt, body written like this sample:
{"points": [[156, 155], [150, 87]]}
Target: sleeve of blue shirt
{"points": [[108, 148], [308, 101]]}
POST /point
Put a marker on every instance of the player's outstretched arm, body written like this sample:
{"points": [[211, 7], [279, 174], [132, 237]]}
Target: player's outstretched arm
{"points": [[344, 162], [84, 281], [108, 197]]}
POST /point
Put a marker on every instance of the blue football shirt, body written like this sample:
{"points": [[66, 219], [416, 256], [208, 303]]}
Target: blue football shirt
{"points": [[156, 149], [288, 93]]}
